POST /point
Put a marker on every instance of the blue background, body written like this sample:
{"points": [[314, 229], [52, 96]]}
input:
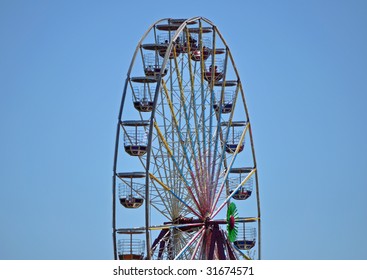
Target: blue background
{"points": [[62, 68]]}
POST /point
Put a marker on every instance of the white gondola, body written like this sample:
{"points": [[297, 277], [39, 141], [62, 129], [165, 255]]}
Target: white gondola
{"points": [[142, 98], [246, 238], [226, 105], [130, 191], [135, 139], [163, 40], [234, 136], [153, 66], [237, 175], [130, 248]]}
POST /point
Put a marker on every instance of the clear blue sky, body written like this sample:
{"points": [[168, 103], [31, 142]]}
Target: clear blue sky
{"points": [[62, 68]]}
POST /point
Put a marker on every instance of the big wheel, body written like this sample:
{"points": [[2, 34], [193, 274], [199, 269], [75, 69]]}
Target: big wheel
{"points": [[185, 182]]}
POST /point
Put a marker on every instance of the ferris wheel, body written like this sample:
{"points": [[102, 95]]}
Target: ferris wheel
{"points": [[185, 181]]}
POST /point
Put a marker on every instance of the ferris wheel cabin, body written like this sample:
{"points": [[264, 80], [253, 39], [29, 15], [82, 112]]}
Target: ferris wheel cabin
{"points": [[130, 248], [245, 191], [154, 70], [246, 238], [144, 104], [188, 44], [142, 98], [224, 105], [130, 191], [153, 66], [196, 54], [234, 136], [135, 139], [213, 73], [164, 40]]}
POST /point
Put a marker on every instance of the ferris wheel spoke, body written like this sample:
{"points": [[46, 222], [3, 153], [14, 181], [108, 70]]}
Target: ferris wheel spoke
{"points": [[203, 140], [223, 140], [229, 167], [183, 105], [196, 146], [171, 155], [163, 165], [195, 106], [218, 134], [233, 192], [184, 239], [189, 243], [170, 170], [163, 235], [162, 201], [166, 126], [188, 160], [202, 88], [169, 235], [160, 157], [198, 245], [192, 80], [174, 194], [222, 161], [212, 97]]}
